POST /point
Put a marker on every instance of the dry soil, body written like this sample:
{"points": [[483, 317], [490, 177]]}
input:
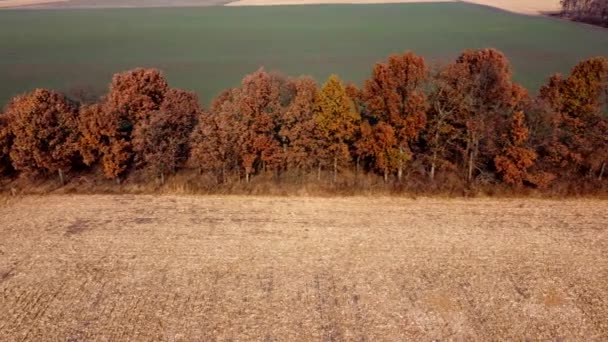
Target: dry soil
{"points": [[531, 7], [186, 268]]}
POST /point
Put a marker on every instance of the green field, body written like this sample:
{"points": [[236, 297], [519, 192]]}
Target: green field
{"points": [[210, 48]]}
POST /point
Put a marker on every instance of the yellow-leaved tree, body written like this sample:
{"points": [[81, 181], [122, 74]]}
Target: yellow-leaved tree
{"points": [[337, 119]]}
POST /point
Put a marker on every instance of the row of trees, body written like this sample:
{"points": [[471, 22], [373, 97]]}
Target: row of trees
{"points": [[592, 11], [466, 123]]}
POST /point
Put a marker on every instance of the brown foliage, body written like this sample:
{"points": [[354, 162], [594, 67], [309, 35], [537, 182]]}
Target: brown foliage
{"points": [[44, 126], [394, 96], [161, 140], [247, 119], [6, 141], [136, 93], [515, 158], [472, 101], [259, 107], [466, 123], [214, 145], [107, 127], [380, 143], [104, 139], [576, 109], [301, 139]]}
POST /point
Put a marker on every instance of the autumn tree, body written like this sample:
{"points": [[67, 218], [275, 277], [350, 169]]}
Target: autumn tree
{"points": [[107, 127], [209, 148], [442, 131], [103, 139], [471, 104], [247, 122], [380, 143], [300, 137], [259, 107], [6, 141], [161, 139], [577, 107], [394, 96], [516, 157], [214, 139], [337, 119], [44, 126], [136, 93]]}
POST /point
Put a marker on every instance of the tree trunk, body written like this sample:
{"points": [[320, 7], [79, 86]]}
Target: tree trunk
{"points": [[357, 165], [470, 171], [467, 155], [285, 163], [400, 169], [162, 178], [247, 176], [335, 169], [61, 180], [319, 172], [385, 175], [472, 156], [433, 165], [602, 171], [118, 180]]}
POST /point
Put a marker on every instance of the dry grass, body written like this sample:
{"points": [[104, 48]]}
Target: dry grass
{"points": [[531, 7], [185, 268], [20, 3]]}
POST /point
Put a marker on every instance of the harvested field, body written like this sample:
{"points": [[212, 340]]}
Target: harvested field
{"points": [[209, 49], [532, 7], [80, 4], [299, 269]]}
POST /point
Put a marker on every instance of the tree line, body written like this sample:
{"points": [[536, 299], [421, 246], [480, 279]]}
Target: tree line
{"points": [[466, 124], [591, 11]]}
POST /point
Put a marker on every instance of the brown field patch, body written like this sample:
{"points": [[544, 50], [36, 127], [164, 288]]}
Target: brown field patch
{"points": [[185, 268], [530, 7]]}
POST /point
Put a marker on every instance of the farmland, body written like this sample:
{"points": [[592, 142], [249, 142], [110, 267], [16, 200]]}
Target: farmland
{"points": [[247, 268], [209, 49]]}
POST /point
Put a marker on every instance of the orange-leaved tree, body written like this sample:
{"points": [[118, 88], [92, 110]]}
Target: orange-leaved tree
{"points": [[337, 120], [44, 127], [380, 143], [107, 127], [259, 108], [394, 95], [515, 157]]}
